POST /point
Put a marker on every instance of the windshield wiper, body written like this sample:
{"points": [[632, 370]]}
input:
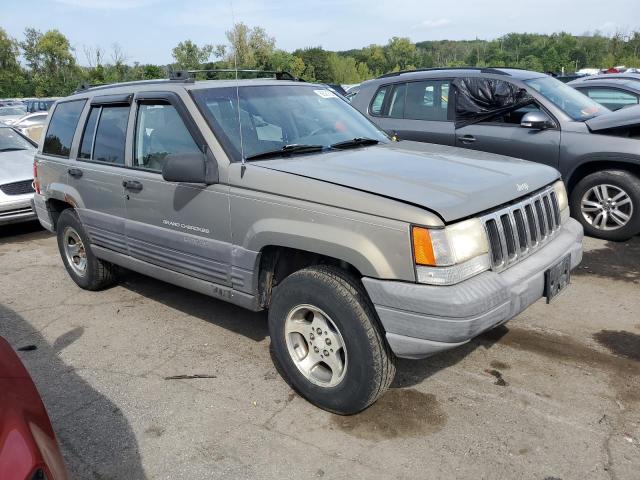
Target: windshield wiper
{"points": [[355, 142], [11, 149], [285, 151]]}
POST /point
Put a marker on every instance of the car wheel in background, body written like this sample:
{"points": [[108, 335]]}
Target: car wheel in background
{"points": [[326, 339], [88, 271], [607, 203]]}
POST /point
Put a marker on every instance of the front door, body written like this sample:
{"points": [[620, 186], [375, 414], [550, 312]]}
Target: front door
{"points": [[504, 135], [181, 227]]}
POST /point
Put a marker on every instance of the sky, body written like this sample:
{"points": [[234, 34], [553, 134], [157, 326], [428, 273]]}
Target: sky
{"points": [[147, 30]]}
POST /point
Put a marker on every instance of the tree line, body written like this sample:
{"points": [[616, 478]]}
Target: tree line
{"points": [[46, 64]]}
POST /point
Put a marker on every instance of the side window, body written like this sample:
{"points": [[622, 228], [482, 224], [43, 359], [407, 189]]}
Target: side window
{"points": [[397, 101], [62, 126], [103, 139], [611, 98], [86, 145], [159, 132], [514, 117], [427, 100], [378, 101]]}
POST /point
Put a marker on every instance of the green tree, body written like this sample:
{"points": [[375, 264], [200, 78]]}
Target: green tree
{"points": [[401, 53], [51, 62], [12, 78], [249, 47], [317, 61], [189, 56]]}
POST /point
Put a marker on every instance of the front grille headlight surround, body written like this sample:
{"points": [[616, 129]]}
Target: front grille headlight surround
{"points": [[458, 251]]}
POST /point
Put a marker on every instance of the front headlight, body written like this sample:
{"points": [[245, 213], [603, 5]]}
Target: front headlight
{"points": [[563, 200], [449, 255]]}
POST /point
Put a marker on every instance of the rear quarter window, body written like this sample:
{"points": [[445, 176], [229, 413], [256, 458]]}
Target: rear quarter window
{"points": [[378, 101], [62, 126]]}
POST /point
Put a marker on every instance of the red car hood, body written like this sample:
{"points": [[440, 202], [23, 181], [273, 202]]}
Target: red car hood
{"points": [[27, 440]]}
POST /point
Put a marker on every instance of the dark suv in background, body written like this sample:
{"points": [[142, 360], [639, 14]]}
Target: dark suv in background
{"points": [[527, 115]]}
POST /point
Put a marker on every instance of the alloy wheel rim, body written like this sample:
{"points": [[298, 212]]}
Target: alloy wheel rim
{"points": [[315, 345], [606, 207], [75, 251]]}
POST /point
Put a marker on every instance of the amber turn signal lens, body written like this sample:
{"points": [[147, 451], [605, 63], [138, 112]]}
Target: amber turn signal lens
{"points": [[422, 247]]}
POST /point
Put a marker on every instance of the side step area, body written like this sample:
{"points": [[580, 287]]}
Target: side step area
{"points": [[214, 290]]}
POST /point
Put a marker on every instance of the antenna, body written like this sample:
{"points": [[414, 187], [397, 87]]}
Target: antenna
{"points": [[235, 65]]}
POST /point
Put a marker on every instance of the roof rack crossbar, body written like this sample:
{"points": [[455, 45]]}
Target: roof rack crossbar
{"points": [[189, 75]]}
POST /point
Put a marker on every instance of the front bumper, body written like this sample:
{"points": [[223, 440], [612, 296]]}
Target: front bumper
{"points": [[15, 210], [420, 320]]}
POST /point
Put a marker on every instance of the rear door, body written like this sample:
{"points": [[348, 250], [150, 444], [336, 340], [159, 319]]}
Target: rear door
{"points": [[98, 171], [504, 135], [181, 227], [417, 111]]}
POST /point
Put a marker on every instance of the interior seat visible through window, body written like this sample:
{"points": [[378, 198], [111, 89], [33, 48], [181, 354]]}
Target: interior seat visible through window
{"points": [[160, 132]]}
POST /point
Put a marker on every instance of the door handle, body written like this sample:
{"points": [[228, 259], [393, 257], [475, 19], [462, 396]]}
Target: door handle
{"points": [[133, 185], [75, 172], [467, 138]]}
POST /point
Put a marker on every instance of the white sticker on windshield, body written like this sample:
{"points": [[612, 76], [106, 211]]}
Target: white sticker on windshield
{"points": [[326, 93]]}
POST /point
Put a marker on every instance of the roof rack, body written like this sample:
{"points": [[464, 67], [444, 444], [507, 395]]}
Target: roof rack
{"points": [[189, 75], [493, 70], [83, 87]]}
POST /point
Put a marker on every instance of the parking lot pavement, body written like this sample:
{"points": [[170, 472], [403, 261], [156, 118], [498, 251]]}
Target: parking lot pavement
{"points": [[556, 395]]}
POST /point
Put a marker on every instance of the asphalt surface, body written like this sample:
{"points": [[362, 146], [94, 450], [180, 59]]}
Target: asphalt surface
{"points": [[554, 395]]}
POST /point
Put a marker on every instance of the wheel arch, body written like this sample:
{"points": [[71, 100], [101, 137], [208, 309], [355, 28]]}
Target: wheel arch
{"points": [[277, 262], [599, 164]]}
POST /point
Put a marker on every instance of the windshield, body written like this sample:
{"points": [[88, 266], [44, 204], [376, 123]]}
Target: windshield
{"points": [[277, 116], [12, 140], [575, 104], [11, 111]]}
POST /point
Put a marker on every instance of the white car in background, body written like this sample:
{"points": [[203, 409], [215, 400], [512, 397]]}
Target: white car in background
{"points": [[16, 176], [11, 113], [31, 125]]}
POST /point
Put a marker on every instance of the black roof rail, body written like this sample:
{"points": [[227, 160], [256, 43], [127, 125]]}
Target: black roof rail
{"points": [[494, 70], [189, 75], [84, 87], [186, 76]]}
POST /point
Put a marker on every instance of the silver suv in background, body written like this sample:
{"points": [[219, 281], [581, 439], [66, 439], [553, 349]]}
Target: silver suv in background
{"points": [[278, 195]]}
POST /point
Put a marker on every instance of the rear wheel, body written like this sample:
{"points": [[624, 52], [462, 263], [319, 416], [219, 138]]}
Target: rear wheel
{"points": [[88, 271], [325, 336], [607, 204]]}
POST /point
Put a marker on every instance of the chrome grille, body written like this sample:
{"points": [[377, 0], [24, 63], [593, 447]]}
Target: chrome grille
{"points": [[17, 188], [517, 230]]}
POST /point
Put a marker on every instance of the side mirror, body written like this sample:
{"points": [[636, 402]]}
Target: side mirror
{"points": [[189, 168], [536, 120]]}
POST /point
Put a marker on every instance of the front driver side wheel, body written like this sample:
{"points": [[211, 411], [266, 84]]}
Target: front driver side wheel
{"points": [[607, 203], [326, 338]]}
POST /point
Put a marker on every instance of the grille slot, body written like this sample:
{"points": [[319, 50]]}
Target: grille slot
{"points": [[523, 241], [17, 188], [515, 231], [494, 241]]}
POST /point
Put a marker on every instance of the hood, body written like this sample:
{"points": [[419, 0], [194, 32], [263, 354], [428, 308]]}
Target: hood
{"points": [[16, 165], [625, 117], [452, 182]]}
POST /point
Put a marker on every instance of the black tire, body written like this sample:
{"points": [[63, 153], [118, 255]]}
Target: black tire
{"points": [[371, 364], [622, 179], [98, 273]]}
